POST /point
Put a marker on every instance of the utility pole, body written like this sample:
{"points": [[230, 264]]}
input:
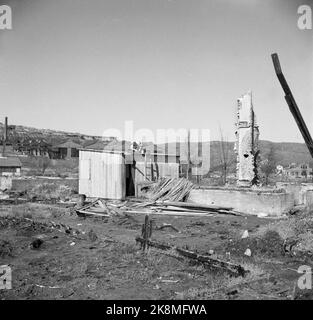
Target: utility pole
{"points": [[188, 153], [5, 133]]}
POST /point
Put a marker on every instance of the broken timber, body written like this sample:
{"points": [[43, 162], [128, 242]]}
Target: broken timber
{"points": [[214, 263], [146, 232], [101, 207]]}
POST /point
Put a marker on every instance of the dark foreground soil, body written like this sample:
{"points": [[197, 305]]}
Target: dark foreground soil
{"points": [[98, 258]]}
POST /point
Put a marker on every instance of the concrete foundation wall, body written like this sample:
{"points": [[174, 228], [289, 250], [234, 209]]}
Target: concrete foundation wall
{"points": [[249, 202], [309, 199], [302, 193]]}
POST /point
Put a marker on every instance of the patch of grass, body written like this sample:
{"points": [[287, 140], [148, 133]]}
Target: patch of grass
{"points": [[220, 283], [306, 241], [128, 249], [285, 228], [129, 257], [299, 227], [269, 244]]}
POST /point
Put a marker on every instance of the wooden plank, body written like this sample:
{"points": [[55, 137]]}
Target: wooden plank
{"points": [[173, 213], [178, 209], [86, 212], [191, 205]]}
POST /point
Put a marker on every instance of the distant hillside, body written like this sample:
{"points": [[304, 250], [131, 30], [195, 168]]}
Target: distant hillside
{"points": [[48, 135], [285, 152]]}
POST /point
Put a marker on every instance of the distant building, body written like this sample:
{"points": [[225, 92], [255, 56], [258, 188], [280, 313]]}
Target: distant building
{"points": [[294, 171], [10, 166], [66, 150]]}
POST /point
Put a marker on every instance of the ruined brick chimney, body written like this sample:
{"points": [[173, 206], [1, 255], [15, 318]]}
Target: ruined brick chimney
{"points": [[246, 145]]}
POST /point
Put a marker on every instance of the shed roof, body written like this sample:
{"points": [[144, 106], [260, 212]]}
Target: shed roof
{"points": [[10, 162]]}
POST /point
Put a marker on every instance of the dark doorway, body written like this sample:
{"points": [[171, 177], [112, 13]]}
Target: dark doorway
{"points": [[130, 180]]}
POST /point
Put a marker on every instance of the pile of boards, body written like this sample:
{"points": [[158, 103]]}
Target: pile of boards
{"points": [[171, 189], [179, 208], [100, 207], [167, 197]]}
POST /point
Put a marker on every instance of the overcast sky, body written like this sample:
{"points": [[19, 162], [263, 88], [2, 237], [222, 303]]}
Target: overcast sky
{"points": [[86, 66]]}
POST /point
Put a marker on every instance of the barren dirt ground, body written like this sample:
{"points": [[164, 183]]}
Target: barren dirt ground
{"points": [[106, 263]]}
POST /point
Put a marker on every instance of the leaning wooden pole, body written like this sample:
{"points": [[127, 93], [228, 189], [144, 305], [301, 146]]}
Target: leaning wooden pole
{"points": [[292, 104]]}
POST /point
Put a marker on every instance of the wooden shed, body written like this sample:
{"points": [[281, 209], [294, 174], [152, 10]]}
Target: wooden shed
{"points": [[10, 166], [114, 174]]}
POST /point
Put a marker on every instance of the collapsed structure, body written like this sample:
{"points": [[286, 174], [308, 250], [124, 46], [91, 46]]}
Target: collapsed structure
{"points": [[246, 145]]}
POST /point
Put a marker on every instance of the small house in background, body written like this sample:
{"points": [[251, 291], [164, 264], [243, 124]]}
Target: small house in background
{"points": [[10, 166], [115, 174], [295, 171], [66, 150]]}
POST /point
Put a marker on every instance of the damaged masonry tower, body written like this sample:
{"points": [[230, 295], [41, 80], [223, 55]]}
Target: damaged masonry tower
{"points": [[246, 145]]}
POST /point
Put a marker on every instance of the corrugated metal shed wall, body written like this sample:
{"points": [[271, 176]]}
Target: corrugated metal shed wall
{"points": [[102, 175]]}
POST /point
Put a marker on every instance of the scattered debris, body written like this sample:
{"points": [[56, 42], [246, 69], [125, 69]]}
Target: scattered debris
{"points": [[178, 208], [49, 287], [170, 203], [100, 208], [169, 281], [167, 225]]}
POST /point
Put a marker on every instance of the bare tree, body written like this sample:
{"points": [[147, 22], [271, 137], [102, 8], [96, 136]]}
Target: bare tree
{"points": [[224, 155], [268, 165]]}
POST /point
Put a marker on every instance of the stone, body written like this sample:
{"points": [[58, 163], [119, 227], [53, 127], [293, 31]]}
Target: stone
{"points": [[245, 234]]}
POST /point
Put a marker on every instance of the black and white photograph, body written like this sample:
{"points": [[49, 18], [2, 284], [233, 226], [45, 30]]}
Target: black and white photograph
{"points": [[156, 155]]}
